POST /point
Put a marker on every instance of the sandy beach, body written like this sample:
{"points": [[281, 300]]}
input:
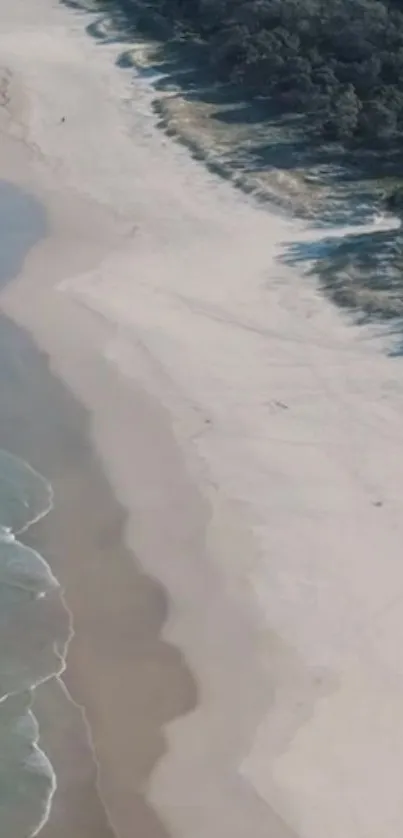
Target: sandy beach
{"points": [[224, 448]]}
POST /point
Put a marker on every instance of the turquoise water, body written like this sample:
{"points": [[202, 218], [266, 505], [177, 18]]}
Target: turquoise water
{"points": [[32, 648], [32, 615]]}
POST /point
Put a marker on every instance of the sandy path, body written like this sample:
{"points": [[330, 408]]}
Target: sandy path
{"points": [[288, 587]]}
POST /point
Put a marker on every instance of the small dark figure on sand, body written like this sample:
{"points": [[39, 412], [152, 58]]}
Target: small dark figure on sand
{"points": [[63, 119]]}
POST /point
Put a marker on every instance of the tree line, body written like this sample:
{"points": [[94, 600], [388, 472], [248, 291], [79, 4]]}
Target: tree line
{"points": [[338, 61]]}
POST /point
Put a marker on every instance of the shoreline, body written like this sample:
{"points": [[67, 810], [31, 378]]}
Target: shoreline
{"points": [[117, 613], [79, 805], [26, 573], [35, 302], [251, 438], [102, 720], [134, 404]]}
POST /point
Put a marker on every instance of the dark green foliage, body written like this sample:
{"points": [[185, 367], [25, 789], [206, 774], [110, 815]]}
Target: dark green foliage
{"points": [[394, 201], [338, 61]]}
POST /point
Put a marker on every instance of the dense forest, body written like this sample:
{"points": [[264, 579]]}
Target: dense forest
{"points": [[340, 61]]}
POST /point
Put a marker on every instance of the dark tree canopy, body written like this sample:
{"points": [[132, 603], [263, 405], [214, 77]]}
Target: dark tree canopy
{"points": [[340, 61]]}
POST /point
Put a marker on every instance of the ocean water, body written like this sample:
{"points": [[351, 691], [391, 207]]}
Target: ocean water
{"points": [[33, 625], [32, 648]]}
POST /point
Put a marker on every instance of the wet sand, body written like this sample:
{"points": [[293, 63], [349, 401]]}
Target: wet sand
{"points": [[127, 664], [253, 438], [103, 723], [129, 680]]}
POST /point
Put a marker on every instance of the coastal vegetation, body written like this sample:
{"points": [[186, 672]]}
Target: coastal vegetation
{"points": [[339, 62], [394, 201], [299, 102]]}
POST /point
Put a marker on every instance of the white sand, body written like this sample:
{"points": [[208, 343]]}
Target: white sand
{"points": [[287, 579]]}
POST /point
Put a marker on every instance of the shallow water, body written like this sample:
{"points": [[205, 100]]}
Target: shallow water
{"points": [[34, 625], [22, 225], [34, 633]]}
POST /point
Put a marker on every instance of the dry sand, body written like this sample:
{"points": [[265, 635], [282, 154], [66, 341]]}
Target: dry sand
{"points": [[254, 438]]}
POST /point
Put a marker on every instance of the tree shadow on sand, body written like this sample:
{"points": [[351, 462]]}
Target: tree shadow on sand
{"points": [[255, 139], [360, 272], [269, 154]]}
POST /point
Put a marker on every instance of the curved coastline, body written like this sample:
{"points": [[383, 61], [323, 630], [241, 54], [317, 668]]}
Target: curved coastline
{"points": [[24, 570], [119, 616], [25, 498], [41, 422], [253, 436]]}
